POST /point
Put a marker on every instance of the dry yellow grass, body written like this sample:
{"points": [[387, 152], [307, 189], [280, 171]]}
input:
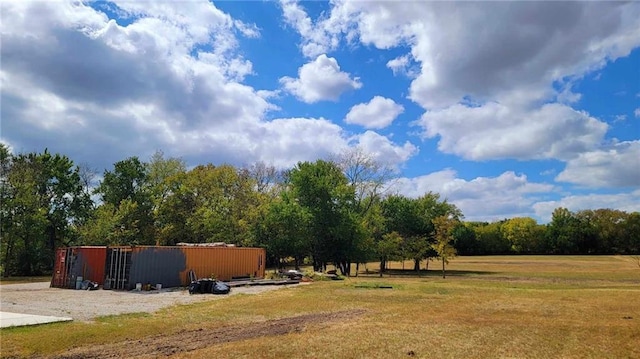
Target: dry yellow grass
{"points": [[17, 280], [488, 307]]}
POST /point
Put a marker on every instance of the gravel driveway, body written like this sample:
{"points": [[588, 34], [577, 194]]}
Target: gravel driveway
{"points": [[83, 305]]}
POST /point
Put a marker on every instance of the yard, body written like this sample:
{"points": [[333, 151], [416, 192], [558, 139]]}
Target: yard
{"points": [[487, 307]]}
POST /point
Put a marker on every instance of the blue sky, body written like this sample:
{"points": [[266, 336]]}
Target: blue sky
{"points": [[504, 108]]}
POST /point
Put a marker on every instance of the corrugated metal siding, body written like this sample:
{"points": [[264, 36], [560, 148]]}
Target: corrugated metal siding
{"points": [[73, 262], [168, 266], [59, 278], [90, 263], [157, 265], [223, 262]]}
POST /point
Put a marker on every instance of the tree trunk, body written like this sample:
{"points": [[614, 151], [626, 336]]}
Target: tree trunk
{"points": [[344, 268], [383, 265], [8, 254], [443, 274], [416, 265], [51, 244], [357, 269]]}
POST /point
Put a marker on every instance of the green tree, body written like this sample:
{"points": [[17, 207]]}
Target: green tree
{"points": [[569, 234], [523, 233], [388, 248], [43, 203], [490, 238], [210, 204], [607, 234], [430, 206], [373, 229], [126, 192], [173, 215], [465, 240], [128, 180], [285, 230], [403, 217], [100, 230], [159, 171], [413, 220], [323, 189], [444, 226], [631, 235], [369, 179]]}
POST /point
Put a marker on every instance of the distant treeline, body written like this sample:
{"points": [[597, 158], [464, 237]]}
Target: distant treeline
{"points": [[337, 211], [601, 231]]}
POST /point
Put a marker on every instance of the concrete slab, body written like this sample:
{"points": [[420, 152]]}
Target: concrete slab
{"points": [[8, 319]]}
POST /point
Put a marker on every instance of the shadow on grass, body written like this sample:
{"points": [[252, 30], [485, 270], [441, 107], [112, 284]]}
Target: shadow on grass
{"points": [[423, 273]]}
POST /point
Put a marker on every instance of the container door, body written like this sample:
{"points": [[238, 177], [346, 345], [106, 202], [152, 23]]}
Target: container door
{"points": [[117, 268], [61, 268], [70, 266]]}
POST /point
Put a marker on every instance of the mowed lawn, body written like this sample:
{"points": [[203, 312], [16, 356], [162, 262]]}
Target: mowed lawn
{"points": [[487, 307]]}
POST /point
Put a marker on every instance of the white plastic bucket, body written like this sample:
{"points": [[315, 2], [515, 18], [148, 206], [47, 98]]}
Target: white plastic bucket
{"points": [[138, 286], [158, 286]]}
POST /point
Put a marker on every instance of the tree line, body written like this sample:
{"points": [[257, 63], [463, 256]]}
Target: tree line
{"points": [[600, 231], [337, 211]]}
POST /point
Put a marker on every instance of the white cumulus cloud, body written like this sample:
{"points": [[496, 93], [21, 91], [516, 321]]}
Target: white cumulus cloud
{"points": [[399, 65], [319, 37], [377, 113], [494, 130], [320, 80], [617, 165], [482, 198], [383, 150], [514, 75]]}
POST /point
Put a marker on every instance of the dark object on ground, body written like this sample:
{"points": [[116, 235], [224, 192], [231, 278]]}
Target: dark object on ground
{"points": [[89, 285], [293, 274], [220, 288], [241, 277], [192, 276], [374, 287], [252, 283], [204, 286]]}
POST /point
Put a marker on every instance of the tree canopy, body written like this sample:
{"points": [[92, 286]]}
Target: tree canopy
{"points": [[324, 212]]}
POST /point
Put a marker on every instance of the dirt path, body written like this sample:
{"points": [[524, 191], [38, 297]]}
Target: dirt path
{"points": [[165, 345]]}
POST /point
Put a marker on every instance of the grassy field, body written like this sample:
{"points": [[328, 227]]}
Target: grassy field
{"points": [[487, 307]]}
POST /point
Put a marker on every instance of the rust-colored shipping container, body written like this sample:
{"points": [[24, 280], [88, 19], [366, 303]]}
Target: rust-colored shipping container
{"points": [[71, 263], [224, 263], [170, 266]]}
